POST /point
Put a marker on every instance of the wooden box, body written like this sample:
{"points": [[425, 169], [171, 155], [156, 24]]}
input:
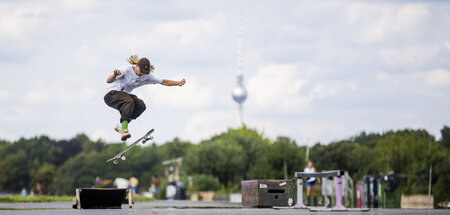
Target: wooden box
{"points": [[268, 193]]}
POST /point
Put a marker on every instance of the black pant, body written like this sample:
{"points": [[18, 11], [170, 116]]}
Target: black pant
{"points": [[129, 105]]}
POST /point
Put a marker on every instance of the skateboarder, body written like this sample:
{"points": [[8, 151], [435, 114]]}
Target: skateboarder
{"points": [[122, 82]]}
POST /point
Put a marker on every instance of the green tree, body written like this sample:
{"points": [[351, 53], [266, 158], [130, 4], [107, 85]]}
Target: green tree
{"points": [[175, 148], [22, 156], [261, 168], [44, 175], [221, 158], [441, 176], [368, 140], [14, 172], [66, 150], [407, 152], [205, 183], [337, 155], [363, 158], [284, 153], [445, 137], [254, 147], [82, 169]]}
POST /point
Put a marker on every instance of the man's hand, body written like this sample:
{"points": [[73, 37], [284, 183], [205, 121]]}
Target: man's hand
{"points": [[112, 77], [182, 82], [117, 72]]}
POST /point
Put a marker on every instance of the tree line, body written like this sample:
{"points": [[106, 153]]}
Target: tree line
{"points": [[223, 160]]}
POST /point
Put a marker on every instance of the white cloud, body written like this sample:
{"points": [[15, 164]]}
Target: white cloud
{"points": [[289, 88], [383, 76], [322, 90], [431, 84], [64, 92], [36, 96], [192, 95], [6, 136], [80, 4], [18, 115], [309, 131], [204, 124], [72, 96], [277, 87], [412, 55], [4, 95], [104, 134], [17, 20], [380, 21], [187, 32], [317, 68], [184, 39], [86, 56], [433, 78]]}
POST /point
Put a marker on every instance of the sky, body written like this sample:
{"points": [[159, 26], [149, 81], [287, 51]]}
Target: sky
{"points": [[315, 71]]}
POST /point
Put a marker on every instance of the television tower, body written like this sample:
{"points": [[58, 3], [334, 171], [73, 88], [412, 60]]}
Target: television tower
{"points": [[239, 92]]}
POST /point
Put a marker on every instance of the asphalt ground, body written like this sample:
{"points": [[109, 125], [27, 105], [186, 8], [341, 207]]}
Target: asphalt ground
{"points": [[183, 207]]}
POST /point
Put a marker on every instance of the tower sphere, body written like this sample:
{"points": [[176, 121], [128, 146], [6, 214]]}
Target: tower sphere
{"points": [[239, 94]]}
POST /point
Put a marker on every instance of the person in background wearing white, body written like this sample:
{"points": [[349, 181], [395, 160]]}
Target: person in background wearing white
{"points": [[311, 184]]}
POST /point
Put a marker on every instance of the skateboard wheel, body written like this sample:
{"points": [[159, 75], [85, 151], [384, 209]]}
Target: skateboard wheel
{"points": [[150, 138], [144, 141], [123, 157], [116, 162]]}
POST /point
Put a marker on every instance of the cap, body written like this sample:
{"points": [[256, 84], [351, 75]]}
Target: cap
{"points": [[145, 66]]}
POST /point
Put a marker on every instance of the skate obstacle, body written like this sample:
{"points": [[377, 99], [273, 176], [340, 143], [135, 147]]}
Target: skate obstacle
{"points": [[102, 198], [338, 186], [268, 193]]}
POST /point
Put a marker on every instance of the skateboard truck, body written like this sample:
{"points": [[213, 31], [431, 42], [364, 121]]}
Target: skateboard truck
{"points": [[147, 139]]}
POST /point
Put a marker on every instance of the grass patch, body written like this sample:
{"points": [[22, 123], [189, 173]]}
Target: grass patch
{"points": [[21, 199], [143, 199]]}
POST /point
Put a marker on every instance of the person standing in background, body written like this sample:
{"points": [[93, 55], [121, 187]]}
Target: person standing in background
{"points": [[133, 185], [97, 182], [311, 184], [39, 188], [154, 187]]}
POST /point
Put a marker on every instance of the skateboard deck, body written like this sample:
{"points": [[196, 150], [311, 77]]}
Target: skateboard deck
{"points": [[119, 155]]}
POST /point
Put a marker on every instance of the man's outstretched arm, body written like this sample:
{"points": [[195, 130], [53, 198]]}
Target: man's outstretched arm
{"points": [[167, 82]]}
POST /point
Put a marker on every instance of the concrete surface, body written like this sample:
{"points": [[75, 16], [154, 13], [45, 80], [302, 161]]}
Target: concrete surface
{"points": [[182, 207]]}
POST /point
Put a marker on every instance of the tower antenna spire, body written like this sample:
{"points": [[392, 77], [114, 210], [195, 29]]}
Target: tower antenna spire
{"points": [[239, 92]]}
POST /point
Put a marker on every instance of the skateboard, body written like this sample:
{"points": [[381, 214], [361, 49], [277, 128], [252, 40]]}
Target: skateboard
{"points": [[144, 139]]}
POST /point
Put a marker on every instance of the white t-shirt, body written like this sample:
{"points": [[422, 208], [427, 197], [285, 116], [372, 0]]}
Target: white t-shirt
{"points": [[128, 80], [121, 183], [310, 170]]}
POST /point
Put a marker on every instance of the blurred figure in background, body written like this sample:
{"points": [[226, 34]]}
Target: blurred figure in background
{"points": [[133, 185], [38, 188], [311, 184], [154, 187], [23, 193], [58, 192], [121, 183], [97, 182]]}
